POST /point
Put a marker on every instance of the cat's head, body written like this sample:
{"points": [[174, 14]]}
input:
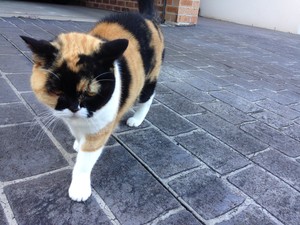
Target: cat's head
{"points": [[73, 74]]}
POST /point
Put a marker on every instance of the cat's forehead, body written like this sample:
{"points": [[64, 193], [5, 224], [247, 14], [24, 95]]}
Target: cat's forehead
{"points": [[72, 45], [78, 43]]}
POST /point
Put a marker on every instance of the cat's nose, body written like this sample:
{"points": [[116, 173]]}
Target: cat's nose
{"points": [[74, 109]]}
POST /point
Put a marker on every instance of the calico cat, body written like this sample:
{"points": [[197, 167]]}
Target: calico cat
{"points": [[90, 80]]}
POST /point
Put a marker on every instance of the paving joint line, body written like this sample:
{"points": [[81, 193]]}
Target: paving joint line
{"points": [[105, 208], [166, 186], [165, 216]]}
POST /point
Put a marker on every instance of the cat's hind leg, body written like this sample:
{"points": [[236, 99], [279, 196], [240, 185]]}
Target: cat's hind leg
{"points": [[145, 101]]}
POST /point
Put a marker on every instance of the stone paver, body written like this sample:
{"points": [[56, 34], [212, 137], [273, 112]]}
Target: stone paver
{"points": [[249, 216], [158, 152], [26, 151], [45, 201], [220, 145], [207, 194], [132, 194], [277, 197]]}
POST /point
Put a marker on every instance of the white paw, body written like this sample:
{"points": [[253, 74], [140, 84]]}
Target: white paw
{"points": [[80, 188], [133, 122], [76, 146]]}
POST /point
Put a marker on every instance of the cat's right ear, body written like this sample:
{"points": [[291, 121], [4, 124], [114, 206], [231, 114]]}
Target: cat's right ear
{"points": [[41, 49]]}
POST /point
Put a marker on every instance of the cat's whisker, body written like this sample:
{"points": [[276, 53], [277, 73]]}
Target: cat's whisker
{"points": [[102, 74], [49, 71]]}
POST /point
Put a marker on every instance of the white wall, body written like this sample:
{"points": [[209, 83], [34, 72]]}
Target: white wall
{"points": [[283, 15]]}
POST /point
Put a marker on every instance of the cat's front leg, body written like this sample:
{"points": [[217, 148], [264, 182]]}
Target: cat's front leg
{"points": [[80, 188], [76, 145]]}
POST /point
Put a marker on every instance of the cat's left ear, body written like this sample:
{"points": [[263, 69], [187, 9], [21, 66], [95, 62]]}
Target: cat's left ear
{"points": [[42, 49], [113, 50]]}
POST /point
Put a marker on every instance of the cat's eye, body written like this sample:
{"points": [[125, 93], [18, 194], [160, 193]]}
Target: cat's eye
{"points": [[57, 92]]}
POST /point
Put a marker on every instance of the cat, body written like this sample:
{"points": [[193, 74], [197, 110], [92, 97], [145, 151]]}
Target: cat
{"points": [[90, 80]]}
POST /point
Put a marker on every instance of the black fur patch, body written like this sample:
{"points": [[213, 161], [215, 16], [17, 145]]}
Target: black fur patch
{"points": [[125, 80], [67, 81], [136, 25], [147, 91]]}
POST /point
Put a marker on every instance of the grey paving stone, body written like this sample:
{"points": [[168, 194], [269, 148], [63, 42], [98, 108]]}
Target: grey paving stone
{"points": [[2, 217], [14, 113], [281, 97], [130, 192], [236, 101], [26, 151], [296, 107], [9, 50], [213, 77], [293, 131], [227, 112], [168, 121], [20, 81], [251, 96], [181, 218], [201, 84], [281, 166], [249, 216], [39, 108], [162, 155], [45, 201], [273, 137], [9, 95], [272, 119], [213, 152], [183, 65], [228, 133], [279, 109], [206, 193], [277, 197], [189, 92], [8, 65], [179, 103]]}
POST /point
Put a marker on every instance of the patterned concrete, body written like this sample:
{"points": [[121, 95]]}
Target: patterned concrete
{"points": [[221, 144]]}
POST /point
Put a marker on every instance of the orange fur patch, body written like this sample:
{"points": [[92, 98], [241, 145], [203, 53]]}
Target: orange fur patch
{"points": [[157, 43], [132, 55], [73, 44], [38, 84]]}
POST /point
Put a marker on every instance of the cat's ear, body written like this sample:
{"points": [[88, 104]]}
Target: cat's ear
{"points": [[43, 50], [113, 50]]}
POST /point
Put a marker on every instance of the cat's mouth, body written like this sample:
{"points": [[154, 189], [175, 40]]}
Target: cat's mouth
{"points": [[82, 113]]}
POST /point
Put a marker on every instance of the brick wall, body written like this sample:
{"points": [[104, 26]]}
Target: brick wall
{"points": [[180, 12]]}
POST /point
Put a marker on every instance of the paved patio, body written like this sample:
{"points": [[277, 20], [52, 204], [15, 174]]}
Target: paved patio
{"points": [[221, 144]]}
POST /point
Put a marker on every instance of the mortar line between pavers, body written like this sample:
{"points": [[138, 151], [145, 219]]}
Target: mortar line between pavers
{"points": [[7, 183], [15, 124], [250, 156], [237, 189], [183, 173], [13, 44], [235, 211], [10, 103], [64, 153], [8, 212], [274, 175], [165, 185], [164, 216], [105, 208], [233, 148]]}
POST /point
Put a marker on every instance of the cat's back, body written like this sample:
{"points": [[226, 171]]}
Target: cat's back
{"points": [[144, 35], [120, 25]]}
